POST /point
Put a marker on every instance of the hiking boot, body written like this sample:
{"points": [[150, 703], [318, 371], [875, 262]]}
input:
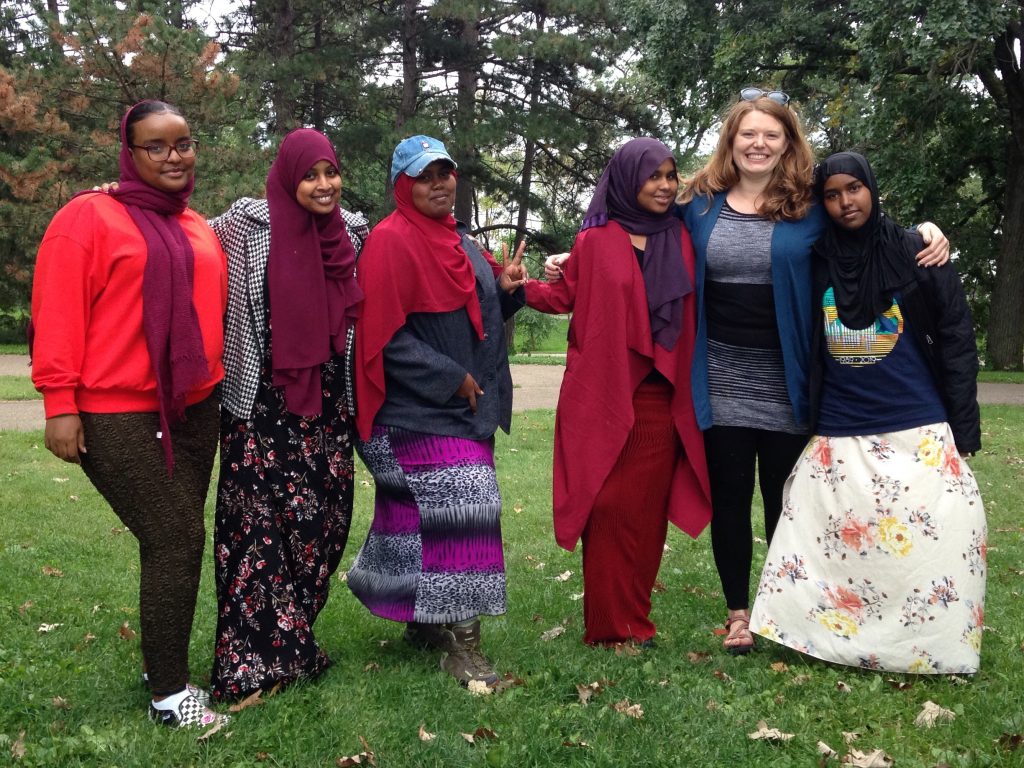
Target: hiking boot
{"points": [[429, 637], [465, 662]]}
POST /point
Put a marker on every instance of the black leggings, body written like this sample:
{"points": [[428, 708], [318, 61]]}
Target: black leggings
{"points": [[732, 453], [126, 464]]}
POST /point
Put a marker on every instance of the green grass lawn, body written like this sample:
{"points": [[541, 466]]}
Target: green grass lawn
{"points": [[18, 388], [75, 694]]}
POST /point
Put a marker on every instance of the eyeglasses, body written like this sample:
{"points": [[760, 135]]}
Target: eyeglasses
{"points": [[753, 94], [160, 152]]}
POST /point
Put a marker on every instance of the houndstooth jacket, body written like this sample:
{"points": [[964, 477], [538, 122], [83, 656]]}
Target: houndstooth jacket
{"points": [[244, 233]]}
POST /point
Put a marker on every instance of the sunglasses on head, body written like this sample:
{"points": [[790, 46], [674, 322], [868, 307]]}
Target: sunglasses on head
{"points": [[753, 94]]}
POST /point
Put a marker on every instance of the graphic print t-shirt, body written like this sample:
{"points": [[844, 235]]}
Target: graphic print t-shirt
{"points": [[876, 379]]}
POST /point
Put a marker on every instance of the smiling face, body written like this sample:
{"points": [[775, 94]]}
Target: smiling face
{"points": [[759, 144], [167, 129], [433, 191], [659, 191], [847, 200], [320, 188]]}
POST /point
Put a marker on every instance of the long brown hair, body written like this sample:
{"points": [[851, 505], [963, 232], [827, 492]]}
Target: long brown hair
{"points": [[789, 192]]}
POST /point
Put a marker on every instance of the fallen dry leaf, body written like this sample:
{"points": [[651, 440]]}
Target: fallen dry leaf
{"points": [[587, 692], [485, 733], [88, 638], [425, 735], [900, 685], [97, 608], [44, 628], [125, 632], [800, 679], [552, 633], [658, 586], [626, 649], [18, 747], [468, 737], [931, 713], [49, 570], [723, 676], [536, 618], [563, 576], [780, 666], [698, 657], [59, 702], [508, 681], [957, 680], [581, 744], [479, 688], [366, 755], [779, 699], [843, 687], [711, 705], [1011, 741], [25, 606], [539, 566], [262, 757], [576, 596], [343, 576], [517, 508], [372, 666], [252, 700], [850, 736], [631, 710], [60, 479], [765, 733], [826, 750], [875, 759], [383, 643], [205, 735]]}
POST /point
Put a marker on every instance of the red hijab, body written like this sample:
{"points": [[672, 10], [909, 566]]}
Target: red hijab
{"points": [[411, 263], [313, 293]]}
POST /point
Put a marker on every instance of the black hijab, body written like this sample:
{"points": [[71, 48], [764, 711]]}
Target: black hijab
{"points": [[868, 265]]}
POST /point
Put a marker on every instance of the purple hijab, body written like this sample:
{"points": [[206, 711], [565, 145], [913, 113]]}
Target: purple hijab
{"points": [[314, 296], [169, 319], [665, 278]]}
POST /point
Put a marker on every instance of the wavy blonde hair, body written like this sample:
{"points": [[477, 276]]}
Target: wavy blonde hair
{"points": [[789, 194]]}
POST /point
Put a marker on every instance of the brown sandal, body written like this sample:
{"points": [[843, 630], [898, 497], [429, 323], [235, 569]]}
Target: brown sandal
{"points": [[739, 641]]}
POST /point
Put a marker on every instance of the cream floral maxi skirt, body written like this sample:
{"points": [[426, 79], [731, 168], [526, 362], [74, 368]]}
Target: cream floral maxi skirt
{"points": [[879, 559]]}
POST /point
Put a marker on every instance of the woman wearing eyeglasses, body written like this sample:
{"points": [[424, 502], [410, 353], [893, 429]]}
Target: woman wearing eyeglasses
{"points": [[127, 304], [753, 217]]}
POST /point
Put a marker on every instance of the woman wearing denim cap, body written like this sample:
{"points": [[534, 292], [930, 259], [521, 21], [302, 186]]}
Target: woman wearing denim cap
{"points": [[432, 387]]}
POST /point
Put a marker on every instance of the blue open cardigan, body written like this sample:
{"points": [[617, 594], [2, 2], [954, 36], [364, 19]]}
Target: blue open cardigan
{"points": [[791, 284]]}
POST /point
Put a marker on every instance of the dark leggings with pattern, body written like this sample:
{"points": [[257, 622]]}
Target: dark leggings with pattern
{"points": [[165, 513], [732, 453]]}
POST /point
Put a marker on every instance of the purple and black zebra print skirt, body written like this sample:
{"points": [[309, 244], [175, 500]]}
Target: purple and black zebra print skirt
{"points": [[433, 553]]}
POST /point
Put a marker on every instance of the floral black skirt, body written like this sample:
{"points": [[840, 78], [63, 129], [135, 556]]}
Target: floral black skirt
{"points": [[284, 506]]}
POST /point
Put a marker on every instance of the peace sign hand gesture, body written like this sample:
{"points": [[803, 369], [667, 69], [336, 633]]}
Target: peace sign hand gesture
{"points": [[514, 274]]}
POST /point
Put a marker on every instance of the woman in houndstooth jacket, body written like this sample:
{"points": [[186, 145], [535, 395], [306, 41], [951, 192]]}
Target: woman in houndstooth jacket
{"points": [[284, 498]]}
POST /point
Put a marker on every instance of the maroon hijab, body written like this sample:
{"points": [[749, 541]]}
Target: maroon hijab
{"points": [[169, 319], [313, 293], [665, 277]]}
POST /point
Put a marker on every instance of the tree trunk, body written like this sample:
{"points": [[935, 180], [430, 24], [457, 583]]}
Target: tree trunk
{"points": [[410, 67], [465, 117], [1005, 347], [282, 49]]}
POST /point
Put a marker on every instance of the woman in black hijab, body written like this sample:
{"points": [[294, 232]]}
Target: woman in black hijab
{"points": [[883, 529]]}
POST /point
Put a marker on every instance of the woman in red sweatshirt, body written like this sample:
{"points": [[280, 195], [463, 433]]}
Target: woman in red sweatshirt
{"points": [[127, 306]]}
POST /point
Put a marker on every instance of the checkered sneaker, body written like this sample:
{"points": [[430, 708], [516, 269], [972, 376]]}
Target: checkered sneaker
{"points": [[190, 713], [200, 694]]}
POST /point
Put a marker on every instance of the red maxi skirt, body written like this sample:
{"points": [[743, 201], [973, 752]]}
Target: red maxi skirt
{"points": [[625, 534]]}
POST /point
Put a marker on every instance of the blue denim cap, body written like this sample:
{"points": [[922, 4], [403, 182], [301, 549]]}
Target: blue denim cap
{"points": [[414, 154]]}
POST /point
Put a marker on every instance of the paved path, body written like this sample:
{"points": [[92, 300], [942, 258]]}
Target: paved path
{"points": [[536, 386]]}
